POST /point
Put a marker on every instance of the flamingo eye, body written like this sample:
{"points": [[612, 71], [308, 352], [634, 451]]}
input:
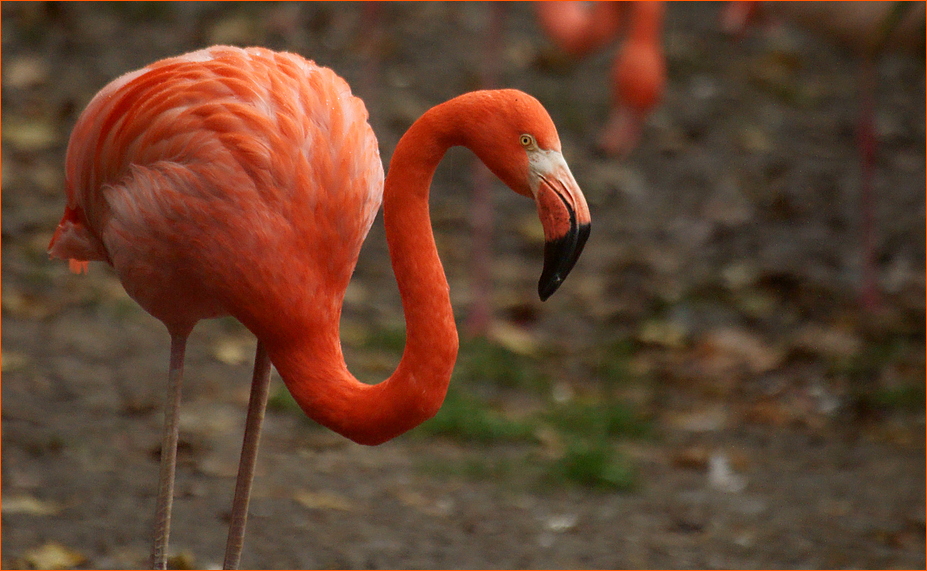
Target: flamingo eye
{"points": [[527, 141]]}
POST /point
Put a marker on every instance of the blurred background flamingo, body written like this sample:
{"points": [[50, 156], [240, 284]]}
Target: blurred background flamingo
{"points": [[638, 74]]}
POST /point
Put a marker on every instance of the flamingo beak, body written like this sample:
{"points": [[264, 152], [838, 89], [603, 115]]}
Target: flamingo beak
{"points": [[565, 217]]}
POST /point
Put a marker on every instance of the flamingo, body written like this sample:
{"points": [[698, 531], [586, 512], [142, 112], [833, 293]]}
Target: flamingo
{"points": [[579, 29], [243, 182], [638, 73]]}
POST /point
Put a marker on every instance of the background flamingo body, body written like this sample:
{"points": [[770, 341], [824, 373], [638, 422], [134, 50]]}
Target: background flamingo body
{"points": [[638, 74], [577, 28], [638, 78]]}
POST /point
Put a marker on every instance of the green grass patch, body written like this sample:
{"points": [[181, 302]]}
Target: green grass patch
{"points": [[597, 419], [468, 418], [899, 355], [483, 362], [589, 428], [387, 340], [612, 362], [593, 464], [584, 430], [911, 398], [281, 400]]}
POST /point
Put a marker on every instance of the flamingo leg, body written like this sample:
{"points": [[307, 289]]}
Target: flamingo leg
{"points": [[260, 386], [481, 218], [168, 454]]}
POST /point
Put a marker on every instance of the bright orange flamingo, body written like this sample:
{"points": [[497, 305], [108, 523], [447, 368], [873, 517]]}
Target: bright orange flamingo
{"points": [[639, 71], [242, 182]]}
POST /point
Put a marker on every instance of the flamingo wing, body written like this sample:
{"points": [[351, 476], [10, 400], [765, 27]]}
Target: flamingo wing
{"points": [[253, 159]]}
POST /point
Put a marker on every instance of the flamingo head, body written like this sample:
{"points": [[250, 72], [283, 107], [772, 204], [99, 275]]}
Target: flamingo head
{"points": [[514, 136]]}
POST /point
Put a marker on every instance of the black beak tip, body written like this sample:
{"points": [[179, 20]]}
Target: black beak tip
{"points": [[560, 256], [546, 288]]}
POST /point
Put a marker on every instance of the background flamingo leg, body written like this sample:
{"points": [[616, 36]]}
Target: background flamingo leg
{"points": [[481, 206]]}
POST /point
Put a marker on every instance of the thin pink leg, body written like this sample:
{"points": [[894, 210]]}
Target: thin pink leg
{"points": [[168, 454], [481, 254], [257, 404], [481, 218]]}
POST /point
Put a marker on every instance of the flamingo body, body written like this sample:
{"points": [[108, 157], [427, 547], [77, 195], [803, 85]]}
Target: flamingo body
{"points": [[251, 177]]}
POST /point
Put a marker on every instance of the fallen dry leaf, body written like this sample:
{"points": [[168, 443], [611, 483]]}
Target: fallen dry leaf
{"points": [[426, 505], [530, 229], [218, 418], [24, 305], [324, 501], [29, 505], [744, 347], [767, 411], [182, 560], [222, 463], [356, 293], [691, 458], [667, 334], [24, 71], [33, 134], [740, 275], [53, 555], [722, 477], [12, 361], [513, 338], [233, 350], [754, 139], [708, 419], [561, 523], [232, 30], [828, 341]]}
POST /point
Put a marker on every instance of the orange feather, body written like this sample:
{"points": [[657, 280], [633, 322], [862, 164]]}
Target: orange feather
{"points": [[243, 182]]}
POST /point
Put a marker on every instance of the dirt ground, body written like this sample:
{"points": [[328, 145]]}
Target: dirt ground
{"points": [[787, 422]]}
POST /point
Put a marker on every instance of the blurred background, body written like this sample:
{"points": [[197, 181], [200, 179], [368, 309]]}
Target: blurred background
{"points": [[709, 388]]}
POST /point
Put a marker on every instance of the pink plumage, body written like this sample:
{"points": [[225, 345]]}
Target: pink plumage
{"points": [[243, 182]]}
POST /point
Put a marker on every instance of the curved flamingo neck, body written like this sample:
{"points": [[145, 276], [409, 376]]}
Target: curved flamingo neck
{"points": [[311, 363]]}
